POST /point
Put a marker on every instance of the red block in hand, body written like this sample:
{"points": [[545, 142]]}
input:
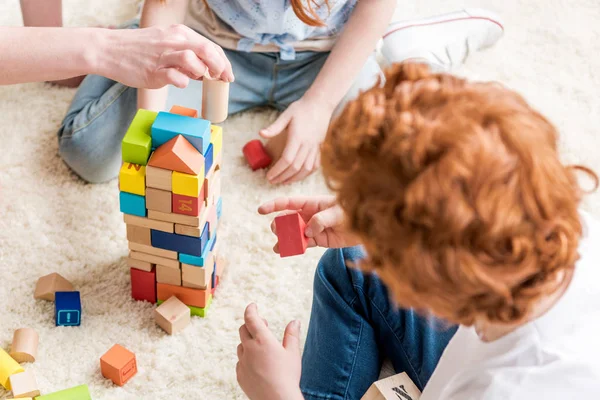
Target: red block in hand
{"points": [[256, 155], [143, 285], [290, 234]]}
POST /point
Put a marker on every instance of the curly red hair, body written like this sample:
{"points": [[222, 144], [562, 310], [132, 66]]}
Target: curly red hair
{"points": [[458, 193]]}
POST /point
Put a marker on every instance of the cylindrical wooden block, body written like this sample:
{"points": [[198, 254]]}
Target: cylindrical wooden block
{"points": [[215, 100], [24, 345]]}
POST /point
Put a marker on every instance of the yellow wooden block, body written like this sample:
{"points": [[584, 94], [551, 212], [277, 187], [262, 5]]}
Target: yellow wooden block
{"points": [[188, 185], [216, 138], [8, 367], [132, 179]]}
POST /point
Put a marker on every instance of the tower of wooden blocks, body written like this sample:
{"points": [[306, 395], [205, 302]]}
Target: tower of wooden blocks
{"points": [[170, 195]]}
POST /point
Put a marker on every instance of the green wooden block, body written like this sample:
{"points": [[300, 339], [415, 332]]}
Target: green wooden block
{"points": [[196, 311], [76, 393], [137, 143]]}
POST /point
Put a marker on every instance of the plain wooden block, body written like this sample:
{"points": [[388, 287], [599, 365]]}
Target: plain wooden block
{"points": [[24, 345], [24, 385], [8, 367], [290, 234], [132, 179], [143, 285], [138, 264], [158, 200], [178, 155], [118, 364], [136, 255], [49, 284], [138, 234], [158, 178], [174, 218], [188, 112], [80, 392], [188, 184], [215, 100], [155, 251], [187, 230], [197, 277], [395, 387], [189, 296], [172, 315], [137, 143], [149, 223], [168, 275]]}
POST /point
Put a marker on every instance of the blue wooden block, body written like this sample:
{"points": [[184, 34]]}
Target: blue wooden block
{"points": [[219, 207], [166, 126], [198, 261], [180, 243], [67, 308], [132, 204], [214, 277], [208, 158], [213, 243]]}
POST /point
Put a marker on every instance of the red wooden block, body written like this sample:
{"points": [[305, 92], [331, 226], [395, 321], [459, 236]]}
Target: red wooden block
{"points": [[188, 205], [143, 284], [290, 235], [188, 112], [256, 155]]}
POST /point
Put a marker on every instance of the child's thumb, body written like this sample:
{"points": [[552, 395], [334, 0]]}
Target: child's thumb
{"points": [[276, 127], [321, 221], [291, 336]]}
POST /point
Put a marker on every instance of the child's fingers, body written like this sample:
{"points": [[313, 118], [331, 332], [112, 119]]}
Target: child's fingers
{"points": [[240, 351], [283, 204], [254, 322], [327, 218], [244, 334]]}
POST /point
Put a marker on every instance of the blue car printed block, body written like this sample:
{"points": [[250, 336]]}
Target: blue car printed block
{"points": [[67, 309], [208, 158], [198, 261], [166, 126], [219, 207], [132, 204], [180, 243]]}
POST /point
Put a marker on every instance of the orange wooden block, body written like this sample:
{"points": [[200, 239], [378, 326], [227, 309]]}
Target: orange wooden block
{"points": [[118, 364], [188, 112], [190, 297], [178, 155]]}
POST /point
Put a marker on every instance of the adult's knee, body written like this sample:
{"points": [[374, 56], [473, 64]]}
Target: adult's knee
{"points": [[92, 164]]}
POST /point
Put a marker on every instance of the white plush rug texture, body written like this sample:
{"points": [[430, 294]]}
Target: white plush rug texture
{"points": [[51, 221]]}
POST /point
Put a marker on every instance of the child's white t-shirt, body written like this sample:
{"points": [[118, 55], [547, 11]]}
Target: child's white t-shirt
{"points": [[556, 356]]}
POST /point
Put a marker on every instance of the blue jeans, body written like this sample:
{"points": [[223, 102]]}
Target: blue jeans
{"points": [[91, 133], [354, 326]]}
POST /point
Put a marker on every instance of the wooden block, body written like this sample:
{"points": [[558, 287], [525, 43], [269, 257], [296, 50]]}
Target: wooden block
{"points": [[188, 112], [133, 204], [216, 138], [215, 188], [393, 388], [132, 179], [290, 234], [172, 315], [201, 311], [188, 230], [188, 184], [180, 243], [166, 126], [8, 367], [76, 393], [138, 264], [215, 100], [138, 234], [24, 384], [24, 345], [195, 260], [136, 255], [187, 205], [158, 178], [137, 142], [190, 297], [212, 220], [149, 223], [67, 309], [118, 364], [178, 155], [256, 155], [49, 284], [174, 218], [158, 200], [221, 265], [168, 275], [209, 159], [155, 251], [197, 277], [143, 285]]}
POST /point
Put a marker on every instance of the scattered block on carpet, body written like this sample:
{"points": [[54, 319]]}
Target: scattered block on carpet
{"points": [[118, 364], [24, 345], [172, 315], [67, 309], [395, 387], [75, 393], [256, 155], [8, 367], [49, 284], [24, 384]]}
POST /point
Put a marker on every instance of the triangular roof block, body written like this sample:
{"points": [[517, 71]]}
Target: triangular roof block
{"points": [[178, 155]]}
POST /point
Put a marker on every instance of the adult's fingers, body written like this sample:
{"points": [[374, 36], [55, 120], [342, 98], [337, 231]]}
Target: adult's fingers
{"points": [[185, 60], [227, 74], [172, 76]]}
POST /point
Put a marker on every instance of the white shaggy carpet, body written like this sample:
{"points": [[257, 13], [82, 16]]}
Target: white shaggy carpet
{"points": [[52, 221]]}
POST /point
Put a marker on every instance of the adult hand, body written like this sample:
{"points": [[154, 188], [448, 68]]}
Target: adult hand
{"points": [[324, 218], [305, 122], [267, 369], [157, 56]]}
